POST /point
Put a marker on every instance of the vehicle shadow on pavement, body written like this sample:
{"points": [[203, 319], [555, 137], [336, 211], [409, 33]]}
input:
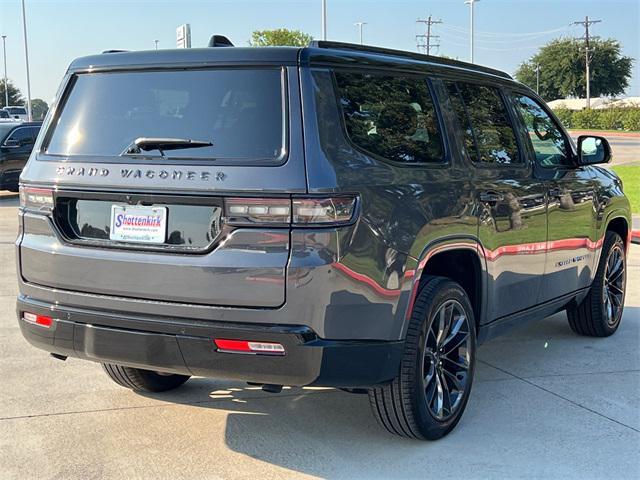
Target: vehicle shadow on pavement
{"points": [[322, 431]]}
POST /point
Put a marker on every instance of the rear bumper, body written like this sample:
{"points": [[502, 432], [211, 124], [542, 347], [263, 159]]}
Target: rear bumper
{"points": [[186, 346]]}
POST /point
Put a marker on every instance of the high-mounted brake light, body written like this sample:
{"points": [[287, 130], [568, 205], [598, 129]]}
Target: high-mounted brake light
{"points": [[36, 199], [41, 320], [245, 346], [299, 211]]}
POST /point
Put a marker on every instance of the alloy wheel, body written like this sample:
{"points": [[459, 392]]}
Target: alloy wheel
{"points": [[614, 280], [446, 360]]}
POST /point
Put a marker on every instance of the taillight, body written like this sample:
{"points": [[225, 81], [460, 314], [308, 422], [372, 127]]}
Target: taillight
{"points": [[320, 211], [257, 210], [283, 211], [247, 346], [41, 320], [36, 199]]}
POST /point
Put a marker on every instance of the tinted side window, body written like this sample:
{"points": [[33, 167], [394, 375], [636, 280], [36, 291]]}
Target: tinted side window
{"points": [[548, 141], [482, 115], [390, 116], [24, 135]]}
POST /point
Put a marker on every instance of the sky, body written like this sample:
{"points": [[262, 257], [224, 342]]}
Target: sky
{"points": [[507, 31]]}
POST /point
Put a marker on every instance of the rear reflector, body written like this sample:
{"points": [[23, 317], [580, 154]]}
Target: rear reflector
{"points": [[245, 346], [41, 320]]}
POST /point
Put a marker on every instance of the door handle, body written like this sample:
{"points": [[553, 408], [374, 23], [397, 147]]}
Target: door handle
{"points": [[491, 197]]}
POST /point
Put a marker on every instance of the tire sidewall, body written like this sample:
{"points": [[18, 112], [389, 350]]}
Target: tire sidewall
{"points": [[437, 428]]}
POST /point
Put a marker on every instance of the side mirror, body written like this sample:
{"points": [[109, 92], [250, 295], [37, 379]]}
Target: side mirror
{"points": [[593, 150]]}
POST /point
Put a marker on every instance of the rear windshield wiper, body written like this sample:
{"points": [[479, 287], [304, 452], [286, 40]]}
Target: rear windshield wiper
{"points": [[162, 144]]}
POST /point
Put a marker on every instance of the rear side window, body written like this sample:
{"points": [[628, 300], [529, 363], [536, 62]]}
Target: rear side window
{"points": [[482, 115], [239, 111], [24, 135], [390, 116]]}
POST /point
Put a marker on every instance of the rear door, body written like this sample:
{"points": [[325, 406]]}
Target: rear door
{"points": [[512, 206], [151, 223], [570, 188]]}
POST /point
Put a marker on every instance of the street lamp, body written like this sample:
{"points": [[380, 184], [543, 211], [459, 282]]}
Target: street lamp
{"points": [[360, 25], [324, 19], [156, 42], [26, 59], [6, 82], [471, 3]]}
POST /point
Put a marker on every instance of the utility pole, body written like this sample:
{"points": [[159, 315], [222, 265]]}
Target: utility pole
{"points": [[156, 42], [471, 26], [587, 53], [360, 25], [324, 19], [6, 82], [26, 59], [423, 42], [538, 78]]}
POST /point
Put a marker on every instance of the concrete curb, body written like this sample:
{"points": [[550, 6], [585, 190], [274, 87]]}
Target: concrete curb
{"points": [[612, 133]]}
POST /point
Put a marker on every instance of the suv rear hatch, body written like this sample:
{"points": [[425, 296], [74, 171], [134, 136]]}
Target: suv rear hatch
{"points": [[144, 163]]}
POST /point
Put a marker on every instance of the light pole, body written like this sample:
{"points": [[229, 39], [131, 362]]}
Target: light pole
{"points": [[156, 42], [360, 25], [26, 59], [538, 78], [6, 82], [324, 19], [471, 3]]}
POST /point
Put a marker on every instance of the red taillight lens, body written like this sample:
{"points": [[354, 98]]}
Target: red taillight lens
{"points": [[41, 320], [283, 211], [36, 199], [246, 346]]}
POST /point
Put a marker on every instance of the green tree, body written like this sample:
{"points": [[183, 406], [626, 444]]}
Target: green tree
{"points": [[562, 69], [279, 37], [39, 108], [15, 97]]}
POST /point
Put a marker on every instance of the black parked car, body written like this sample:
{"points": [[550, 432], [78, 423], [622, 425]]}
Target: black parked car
{"points": [[16, 143], [336, 215]]}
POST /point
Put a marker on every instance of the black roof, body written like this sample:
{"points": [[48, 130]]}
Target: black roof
{"points": [[317, 53]]}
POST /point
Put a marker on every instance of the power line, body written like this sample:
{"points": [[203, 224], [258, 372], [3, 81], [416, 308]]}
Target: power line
{"points": [[423, 42], [503, 34], [586, 23]]}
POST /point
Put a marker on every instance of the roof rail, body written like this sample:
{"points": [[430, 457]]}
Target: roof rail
{"points": [[405, 54], [114, 51]]}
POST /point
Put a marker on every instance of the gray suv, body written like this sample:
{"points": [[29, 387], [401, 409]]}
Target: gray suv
{"points": [[335, 215]]}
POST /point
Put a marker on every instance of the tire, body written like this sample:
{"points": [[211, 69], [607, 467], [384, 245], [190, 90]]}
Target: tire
{"points": [[143, 380], [599, 314], [408, 406]]}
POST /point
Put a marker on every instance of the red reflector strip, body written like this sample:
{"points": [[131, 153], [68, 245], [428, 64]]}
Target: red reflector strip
{"points": [[246, 346], [41, 320]]}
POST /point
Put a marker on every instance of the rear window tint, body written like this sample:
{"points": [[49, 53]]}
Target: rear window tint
{"points": [[483, 118], [241, 112], [390, 116]]}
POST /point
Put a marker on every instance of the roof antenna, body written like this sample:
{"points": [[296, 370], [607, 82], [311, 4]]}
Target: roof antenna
{"points": [[220, 41]]}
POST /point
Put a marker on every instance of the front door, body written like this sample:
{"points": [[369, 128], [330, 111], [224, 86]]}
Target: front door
{"points": [[571, 219], [511, 202]]}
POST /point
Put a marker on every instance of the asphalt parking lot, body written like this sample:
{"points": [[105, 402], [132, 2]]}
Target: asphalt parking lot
{"points": [[546, 403]]}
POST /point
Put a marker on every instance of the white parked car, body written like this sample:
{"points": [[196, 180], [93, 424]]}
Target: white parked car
{"points": [[17, 112]]}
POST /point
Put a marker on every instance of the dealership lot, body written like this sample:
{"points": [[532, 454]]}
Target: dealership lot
{"points": [[546, 403]]}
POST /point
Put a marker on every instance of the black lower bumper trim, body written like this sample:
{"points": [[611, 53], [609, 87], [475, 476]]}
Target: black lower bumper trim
{"points": [[186, 347]]}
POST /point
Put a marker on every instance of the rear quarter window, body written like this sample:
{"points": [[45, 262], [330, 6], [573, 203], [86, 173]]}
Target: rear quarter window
{"points": [[392, 116], [240, 111]]}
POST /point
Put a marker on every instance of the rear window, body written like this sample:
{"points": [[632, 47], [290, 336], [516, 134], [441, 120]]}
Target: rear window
{"points": [[240, 112], [392, 116], [17, 110]]}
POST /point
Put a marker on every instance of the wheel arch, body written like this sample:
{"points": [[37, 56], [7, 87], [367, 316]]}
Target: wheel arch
{"points": [[451, 258]]}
